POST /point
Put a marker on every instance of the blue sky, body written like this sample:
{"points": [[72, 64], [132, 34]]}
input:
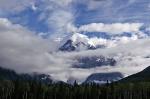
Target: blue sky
{"points": [[52, 16], [110, 11]]}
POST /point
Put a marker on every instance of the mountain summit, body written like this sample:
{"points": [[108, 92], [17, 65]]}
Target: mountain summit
{"points": [[79, 42]]}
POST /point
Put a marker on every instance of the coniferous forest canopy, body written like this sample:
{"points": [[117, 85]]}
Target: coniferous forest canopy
{"points": [[33, 90]]}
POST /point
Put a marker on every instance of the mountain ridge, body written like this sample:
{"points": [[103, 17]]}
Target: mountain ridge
{"points": [[7, 74], [79, 42], [143, 76]]}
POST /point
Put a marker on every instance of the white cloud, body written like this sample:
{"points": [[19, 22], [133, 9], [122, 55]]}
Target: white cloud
{"points": [[34, 8], [59, 20], [96, 4], [62, 2], [115, 28], [100, 41], [19, 48], [125, 39], [58, 15], [14, 6]]}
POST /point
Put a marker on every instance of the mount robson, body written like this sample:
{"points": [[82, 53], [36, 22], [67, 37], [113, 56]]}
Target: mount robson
{"points": [[74, 49]]}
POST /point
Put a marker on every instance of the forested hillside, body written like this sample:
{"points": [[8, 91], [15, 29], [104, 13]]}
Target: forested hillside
{"points": [[143, 76]]}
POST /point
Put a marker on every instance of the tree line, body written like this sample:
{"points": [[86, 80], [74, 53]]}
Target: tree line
{"points": [[36, 90]]}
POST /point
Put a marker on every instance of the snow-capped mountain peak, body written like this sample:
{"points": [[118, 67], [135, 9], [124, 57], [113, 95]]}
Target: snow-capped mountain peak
{"points": [[77, 38], [77, 42]]}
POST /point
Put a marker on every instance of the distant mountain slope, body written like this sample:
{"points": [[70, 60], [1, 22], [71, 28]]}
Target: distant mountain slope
{"points": [[7, 74], [94, 61], [103, 78], [143, 76]]}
